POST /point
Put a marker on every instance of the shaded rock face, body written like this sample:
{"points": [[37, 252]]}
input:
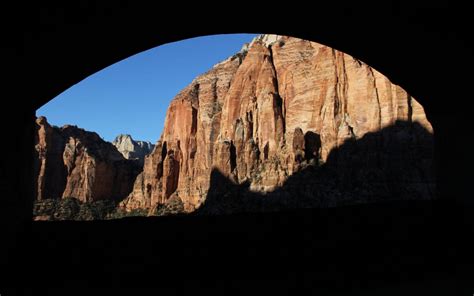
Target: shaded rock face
{"points": [[276, 107], [132, 149], [50, 169], [391, 164], [72, 162]]}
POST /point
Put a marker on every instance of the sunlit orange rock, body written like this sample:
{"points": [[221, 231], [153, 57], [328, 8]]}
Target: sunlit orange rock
{"points": [[260, 115], [72, 162]]}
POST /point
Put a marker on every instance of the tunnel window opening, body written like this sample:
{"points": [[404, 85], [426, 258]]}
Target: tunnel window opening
{"points": [[230, 123]]}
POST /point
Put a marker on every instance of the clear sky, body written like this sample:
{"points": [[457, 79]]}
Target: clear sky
{"points": [[131, 96]]}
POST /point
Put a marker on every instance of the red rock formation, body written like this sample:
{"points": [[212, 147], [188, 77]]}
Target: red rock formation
{"points": [[50, 169], [260, 114], [72, 162]]}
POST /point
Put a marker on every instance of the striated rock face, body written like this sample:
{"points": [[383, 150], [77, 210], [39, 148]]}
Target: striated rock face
{"points": [[72, 162], [50, 170], [274, 108], [132, 149]]}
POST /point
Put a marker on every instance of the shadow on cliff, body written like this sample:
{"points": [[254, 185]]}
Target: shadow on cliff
{"points": [[395, 163]]}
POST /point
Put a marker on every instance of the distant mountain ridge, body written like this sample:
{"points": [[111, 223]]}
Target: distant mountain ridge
{"points": [[131, 149]]}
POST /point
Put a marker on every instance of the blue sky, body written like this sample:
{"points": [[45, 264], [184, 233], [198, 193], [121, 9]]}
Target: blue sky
{"points": [[131, 96]]}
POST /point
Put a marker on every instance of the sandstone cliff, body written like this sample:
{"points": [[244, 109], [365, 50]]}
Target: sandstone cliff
{"points": [[278, 106], [132, 149], [72, 162]]}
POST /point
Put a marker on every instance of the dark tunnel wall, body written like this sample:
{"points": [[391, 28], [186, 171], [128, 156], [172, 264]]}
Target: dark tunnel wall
{"points": [[48, 48], [52, 48]]}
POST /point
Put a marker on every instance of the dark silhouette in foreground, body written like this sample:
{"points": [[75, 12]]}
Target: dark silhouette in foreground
{"points": [[368, 247], [395, 163]]}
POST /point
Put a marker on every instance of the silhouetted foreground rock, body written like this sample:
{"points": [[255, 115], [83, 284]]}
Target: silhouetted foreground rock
{"points": [[346, 249], [395, 163]]}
